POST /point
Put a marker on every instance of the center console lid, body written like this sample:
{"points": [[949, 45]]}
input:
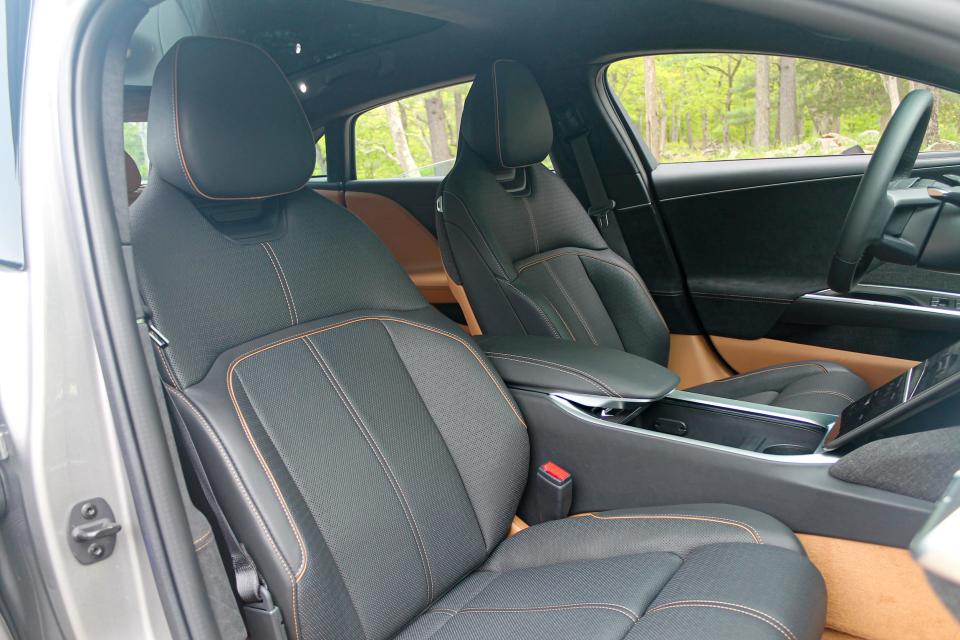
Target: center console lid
{"points": [[558, 366]]}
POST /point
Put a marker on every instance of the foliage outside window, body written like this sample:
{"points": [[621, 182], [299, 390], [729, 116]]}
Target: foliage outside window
{"points": [[320, 166], [704, 106], [135, 144], [413, 137]]}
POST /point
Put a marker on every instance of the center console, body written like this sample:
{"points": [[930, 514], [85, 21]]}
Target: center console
{"points": [[610, 386], [630, 438]]}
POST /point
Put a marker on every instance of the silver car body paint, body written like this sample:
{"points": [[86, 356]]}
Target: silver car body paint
{"points": [[61, 431]]}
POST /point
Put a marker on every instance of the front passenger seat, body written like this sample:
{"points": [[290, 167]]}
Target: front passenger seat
{"points": [[533, 263], [363, 448]]}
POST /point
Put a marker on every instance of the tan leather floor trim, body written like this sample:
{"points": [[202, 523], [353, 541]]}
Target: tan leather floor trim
{"points": [[747, 355], [830, 634], [877, 593], [692, 358], [517, 526]]}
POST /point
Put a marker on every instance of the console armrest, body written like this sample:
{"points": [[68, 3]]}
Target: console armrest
{"points": [[556, 365]]}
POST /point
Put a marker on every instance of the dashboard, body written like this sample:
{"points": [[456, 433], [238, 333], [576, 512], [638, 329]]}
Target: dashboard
{"points": [[934, 379]]}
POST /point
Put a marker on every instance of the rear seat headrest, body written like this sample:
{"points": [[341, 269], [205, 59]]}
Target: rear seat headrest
{"points": [[505, 117], [225, 124], [134, 179]]}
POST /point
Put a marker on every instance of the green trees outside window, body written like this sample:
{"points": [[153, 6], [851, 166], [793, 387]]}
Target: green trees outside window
{"points": [[712, 106]]}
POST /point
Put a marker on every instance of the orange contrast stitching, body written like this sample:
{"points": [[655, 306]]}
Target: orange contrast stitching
{"points": [[250, 505], [343, 323]]}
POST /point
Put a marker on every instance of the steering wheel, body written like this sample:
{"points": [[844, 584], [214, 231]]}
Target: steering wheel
{"points": [[877, 198]]}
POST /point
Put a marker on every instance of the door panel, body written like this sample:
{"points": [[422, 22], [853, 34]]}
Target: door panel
{"points": [[753, 236], [387, 207]]}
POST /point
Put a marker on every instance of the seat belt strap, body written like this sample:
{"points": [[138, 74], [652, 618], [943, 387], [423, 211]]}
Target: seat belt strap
{"points": [[602, 208], [246, 577]]}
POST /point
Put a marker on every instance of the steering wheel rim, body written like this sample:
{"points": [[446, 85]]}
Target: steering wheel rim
{"points": [[893, 159]]}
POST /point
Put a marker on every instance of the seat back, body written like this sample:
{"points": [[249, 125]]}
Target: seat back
{"points": [[531, 260], [363, 449]]}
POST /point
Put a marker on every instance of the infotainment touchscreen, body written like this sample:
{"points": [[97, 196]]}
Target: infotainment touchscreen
{"points": [[937, 376]]}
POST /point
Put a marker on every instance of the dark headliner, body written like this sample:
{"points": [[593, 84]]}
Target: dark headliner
{"points": [[562, 39]]}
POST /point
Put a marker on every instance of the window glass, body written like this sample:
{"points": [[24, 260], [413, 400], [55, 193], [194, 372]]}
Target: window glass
{"points": [[320, 167], [711, 106], [135, 144], [409, 138]]}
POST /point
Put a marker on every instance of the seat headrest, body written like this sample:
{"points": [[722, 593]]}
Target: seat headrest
{"points": [[134, 179], [505, 117], [225, 124]]}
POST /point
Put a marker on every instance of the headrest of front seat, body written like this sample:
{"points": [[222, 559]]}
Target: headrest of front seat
{"points": [[134, 179], [505, 117], [225, 124]]}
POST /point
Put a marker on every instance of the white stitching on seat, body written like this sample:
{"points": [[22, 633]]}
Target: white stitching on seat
{"points": [[729, 606], [816, 391], [285, 283], [282, 280], [768, 370], [557, 607], [581, 254], [570, 301], [596, 382], [381, 458], [669, 516], [550, 325]]}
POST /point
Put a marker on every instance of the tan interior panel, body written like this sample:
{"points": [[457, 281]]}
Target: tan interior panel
{"points": [[410, 243], [460, 295], [692, 358], [747, 355], [877, 593], [333, 195]]}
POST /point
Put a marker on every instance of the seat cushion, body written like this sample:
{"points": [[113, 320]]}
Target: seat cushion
{"points": [[811, 385], [697, 571]]}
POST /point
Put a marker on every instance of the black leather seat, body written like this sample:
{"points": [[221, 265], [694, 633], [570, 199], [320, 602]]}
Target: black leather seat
{"points": [[532, 262], [364, 450]]}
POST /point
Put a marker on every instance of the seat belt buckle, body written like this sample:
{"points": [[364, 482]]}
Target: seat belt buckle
{"points": [[263, 618], [600, 214], [554, 491]]}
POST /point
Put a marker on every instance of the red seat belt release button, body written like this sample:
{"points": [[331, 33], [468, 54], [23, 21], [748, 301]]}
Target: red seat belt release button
{"points": [[554, 491]]}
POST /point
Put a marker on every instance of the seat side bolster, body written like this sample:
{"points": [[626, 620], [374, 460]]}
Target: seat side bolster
{"points": [[676, 529]]}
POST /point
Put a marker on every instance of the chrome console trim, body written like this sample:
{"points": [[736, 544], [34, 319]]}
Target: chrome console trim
{"points": [[604, 402], [839, 299], [824, 421], [815, 458]]}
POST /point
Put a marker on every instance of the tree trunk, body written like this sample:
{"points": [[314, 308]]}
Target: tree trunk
{"points": [[689, 130], [933, 129], [652, 101], [399, 134], [704, 129], [893, 94], [457, 110], [761, 116], [787, 120], [437, 126]]}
